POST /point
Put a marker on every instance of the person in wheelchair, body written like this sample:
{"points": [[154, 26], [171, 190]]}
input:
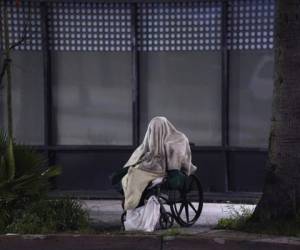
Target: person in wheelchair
{"points": [[163, 155]]}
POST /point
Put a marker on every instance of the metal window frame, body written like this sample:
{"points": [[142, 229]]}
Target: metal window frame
{"points": [[225, 93], [135, 63]]}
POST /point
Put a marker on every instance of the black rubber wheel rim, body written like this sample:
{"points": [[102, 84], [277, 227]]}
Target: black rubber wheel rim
{"points": [[186, 204]]}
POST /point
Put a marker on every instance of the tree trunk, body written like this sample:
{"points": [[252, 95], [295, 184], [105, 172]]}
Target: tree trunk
{"points": [[281, 193]]}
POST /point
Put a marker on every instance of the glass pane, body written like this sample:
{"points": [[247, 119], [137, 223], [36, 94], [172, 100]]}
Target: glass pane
{"points": [[181, 66], [92, 97], [27, 96], [251, 86], [186, 88]]}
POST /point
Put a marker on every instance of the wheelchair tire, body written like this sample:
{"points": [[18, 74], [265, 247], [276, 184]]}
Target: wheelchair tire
{"points": [[187, 203]]}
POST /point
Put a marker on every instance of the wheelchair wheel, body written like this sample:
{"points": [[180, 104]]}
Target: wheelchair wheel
{"points": [[166, 220], [186, 204]]}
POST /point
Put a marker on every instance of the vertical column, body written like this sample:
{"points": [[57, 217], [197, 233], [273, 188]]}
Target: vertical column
{"points": [[48, 140], [225, 93], [135, 77]]}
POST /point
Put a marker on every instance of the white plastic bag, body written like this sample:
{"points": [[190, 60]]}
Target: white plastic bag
{"points": [[143, 218]]}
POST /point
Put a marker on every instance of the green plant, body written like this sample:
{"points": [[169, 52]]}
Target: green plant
{"points": [[47, 216], [241, 220], [5, 215], [30, 178], [24, 206], [237, 218]]}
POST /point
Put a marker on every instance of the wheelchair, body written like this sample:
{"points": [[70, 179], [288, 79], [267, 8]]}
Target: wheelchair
{"points": [[181, 203]]}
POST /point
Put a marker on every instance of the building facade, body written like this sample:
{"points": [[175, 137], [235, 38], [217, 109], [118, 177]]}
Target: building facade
{"points": [[91, 74]]}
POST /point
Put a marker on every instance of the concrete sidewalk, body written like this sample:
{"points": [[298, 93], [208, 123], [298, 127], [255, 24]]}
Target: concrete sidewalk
{"points": [[107, 214]]}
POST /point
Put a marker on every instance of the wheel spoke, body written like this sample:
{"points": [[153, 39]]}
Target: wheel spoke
{"points": [[180, 209], [192, 206], [187, 212], [190, 197]]}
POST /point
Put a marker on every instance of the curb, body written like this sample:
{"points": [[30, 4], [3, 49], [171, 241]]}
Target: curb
{"points": [[216, 240], [79, 242]]}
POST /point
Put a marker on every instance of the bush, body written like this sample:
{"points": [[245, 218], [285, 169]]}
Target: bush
{"points": [[236, 220], [44, 216], [242, 221], [24, 183]]}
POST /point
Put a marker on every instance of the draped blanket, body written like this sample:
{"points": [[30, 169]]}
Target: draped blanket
{"points": [[163, 148]]}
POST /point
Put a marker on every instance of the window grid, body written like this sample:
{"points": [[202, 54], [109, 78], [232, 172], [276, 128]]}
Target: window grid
{"points": [[179, 26], [26, 15], [169, 26], [89, 26], [250, 24]]}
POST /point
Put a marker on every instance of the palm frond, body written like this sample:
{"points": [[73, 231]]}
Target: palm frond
{"points": [[52, 172], [28, 160], [23, 171]]}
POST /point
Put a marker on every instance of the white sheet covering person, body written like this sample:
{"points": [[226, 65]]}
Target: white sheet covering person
{"points": [[163, 148]]}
